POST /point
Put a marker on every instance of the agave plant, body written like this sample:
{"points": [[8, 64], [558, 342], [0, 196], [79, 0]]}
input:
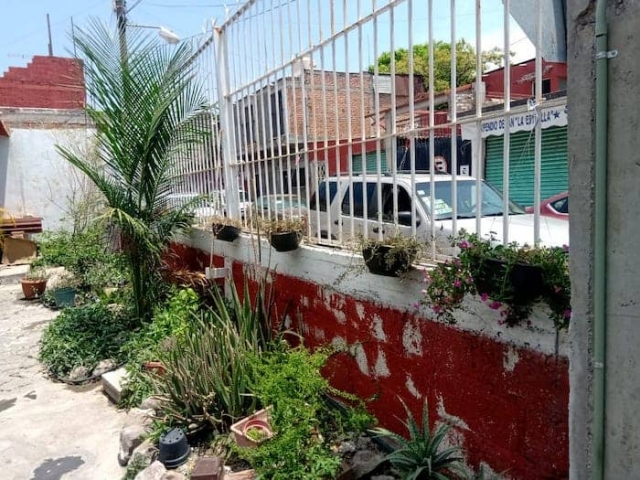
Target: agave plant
{"points": [[421, 456], [144, 104]]}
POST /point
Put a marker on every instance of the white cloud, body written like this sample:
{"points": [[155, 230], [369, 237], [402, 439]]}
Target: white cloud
{"points": [[521, 46]]}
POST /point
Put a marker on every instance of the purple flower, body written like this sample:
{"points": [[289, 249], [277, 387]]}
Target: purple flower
{"points": [[484, 297], [495, 305], [416, 306], [457, 283], [464, 244], [567, 313], [437, 309]]}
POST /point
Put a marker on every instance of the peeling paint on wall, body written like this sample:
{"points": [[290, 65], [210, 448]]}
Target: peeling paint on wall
{"points": [[319, 334], [448, 418], [511, 359], [360, 310], [360, 355], [412, 339], [341, 317], [381, 369], [411, 387], [377, 330]]}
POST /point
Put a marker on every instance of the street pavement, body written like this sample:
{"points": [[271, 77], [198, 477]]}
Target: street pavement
{"points": [[48, 430]]}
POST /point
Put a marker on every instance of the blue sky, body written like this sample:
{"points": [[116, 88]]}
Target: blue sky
{"points": [[23, 28]]}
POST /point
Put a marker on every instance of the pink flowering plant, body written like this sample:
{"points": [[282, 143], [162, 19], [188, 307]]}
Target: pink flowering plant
{"points": [[510, 279]]}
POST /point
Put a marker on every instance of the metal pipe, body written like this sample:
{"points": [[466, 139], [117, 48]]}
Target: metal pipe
{"points": [[600, 248]]}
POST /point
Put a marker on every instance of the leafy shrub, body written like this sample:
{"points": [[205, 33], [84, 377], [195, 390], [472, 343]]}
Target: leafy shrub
{"points": [[208, 372], [421, 455], [86, 255], [305, 424], [171, 322], [84, 336]]}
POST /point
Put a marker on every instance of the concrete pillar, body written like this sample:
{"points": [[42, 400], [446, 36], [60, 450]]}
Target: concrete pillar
{"points": [[622, 430]]}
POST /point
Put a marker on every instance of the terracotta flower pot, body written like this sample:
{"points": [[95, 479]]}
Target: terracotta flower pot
{"points": [[33, 287], [258, 423]]}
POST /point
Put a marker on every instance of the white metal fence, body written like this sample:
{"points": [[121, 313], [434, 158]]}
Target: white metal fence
{"points": [[307, 124]]}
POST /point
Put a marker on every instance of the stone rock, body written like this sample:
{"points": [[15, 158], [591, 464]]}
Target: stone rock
{"points": [[139, 416], [155, 471], [78, 374], [173, 475], [130, 439], [364, 462], [346, 447], [103, 367], [151, 403], [382, 477], [146, 451]]}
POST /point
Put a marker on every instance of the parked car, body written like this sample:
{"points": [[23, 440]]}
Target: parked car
{"points": [[339, 203], [208, 205], [279, 206], [556, 206]]}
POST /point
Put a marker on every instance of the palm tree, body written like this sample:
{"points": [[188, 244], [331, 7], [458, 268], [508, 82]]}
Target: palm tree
{"points": [[144, 105]]}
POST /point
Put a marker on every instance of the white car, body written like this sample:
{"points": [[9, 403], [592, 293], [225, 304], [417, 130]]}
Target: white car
{"points": [[357, 206]]}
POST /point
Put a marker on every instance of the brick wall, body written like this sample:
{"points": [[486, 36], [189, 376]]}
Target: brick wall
{"points": [[338, 107], [46, 82]]}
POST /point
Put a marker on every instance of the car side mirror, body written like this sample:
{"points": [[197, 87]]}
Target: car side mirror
{"points": [[404, 218]]}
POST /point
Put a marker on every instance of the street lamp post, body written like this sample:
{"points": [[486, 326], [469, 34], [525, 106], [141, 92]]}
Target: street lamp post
{"points": [[121, 15]]}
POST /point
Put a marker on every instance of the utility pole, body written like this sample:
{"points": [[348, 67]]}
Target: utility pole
{"points": [[121, 15], [50, 42]]}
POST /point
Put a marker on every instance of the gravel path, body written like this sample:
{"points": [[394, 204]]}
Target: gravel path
{"points": [[48, 430]]}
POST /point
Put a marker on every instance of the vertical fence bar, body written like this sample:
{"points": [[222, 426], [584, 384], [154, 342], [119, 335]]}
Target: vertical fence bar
{"points": [[538, 129], [412, 122], [453, 114], [479, 103], [506, 152], [432, 190], [228, 143]]}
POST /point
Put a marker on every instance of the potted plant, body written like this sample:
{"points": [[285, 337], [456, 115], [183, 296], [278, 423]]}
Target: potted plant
{"points": [[252, 430], [64, 290], [510, 278], [34, 282], [284, 233], [391, 257], [226, 229]]}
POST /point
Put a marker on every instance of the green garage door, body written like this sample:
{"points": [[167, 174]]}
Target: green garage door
{"points": [[555, 171], [370, 162]]}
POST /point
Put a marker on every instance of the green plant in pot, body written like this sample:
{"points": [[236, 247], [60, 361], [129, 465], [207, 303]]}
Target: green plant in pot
{"points": [[34, 282], [509, 278], [392, 256], [64, 290], [284, 233]]}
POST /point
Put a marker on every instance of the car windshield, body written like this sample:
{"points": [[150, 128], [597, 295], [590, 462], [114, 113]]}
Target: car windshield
{"points": [[281, 203], [466, 199]]}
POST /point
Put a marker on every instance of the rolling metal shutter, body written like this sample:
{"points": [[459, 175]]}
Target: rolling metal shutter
{"points": [[555, 171], [370, 162]]}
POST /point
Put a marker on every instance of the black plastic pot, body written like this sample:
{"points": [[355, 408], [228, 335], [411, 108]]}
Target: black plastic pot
{"points": [[173, 448], [285, 242], [377, 262], [525, 280], [226, 233]]}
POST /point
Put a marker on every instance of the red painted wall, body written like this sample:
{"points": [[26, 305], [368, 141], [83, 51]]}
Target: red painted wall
{"points": [[46, 82], [522, 78], [517, 420], [336, 152]]}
